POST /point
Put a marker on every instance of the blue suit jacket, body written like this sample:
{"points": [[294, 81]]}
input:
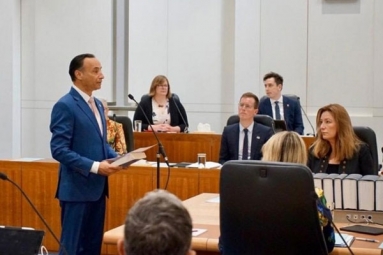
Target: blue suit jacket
{"points": [[76, 143], [230, 142], [291, 110]]}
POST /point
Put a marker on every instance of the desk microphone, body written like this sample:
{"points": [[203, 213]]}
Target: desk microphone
{"points": [[160, 146], [312, 127], [186, 130], [4, 177]]}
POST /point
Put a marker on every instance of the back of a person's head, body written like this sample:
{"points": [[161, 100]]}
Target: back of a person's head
{"points": [[158, 224], [286, 146]]}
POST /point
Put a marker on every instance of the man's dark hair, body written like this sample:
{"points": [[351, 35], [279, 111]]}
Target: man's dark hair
{"points": [[278, 79], [158, 224], [251, 95], [77, 63]]}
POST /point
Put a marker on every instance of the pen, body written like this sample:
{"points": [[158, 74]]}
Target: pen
{"points": [[366, 240]]}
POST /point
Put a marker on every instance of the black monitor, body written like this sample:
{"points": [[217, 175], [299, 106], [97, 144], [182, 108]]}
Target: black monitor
{"points": [[19, 241], [279, 125]]}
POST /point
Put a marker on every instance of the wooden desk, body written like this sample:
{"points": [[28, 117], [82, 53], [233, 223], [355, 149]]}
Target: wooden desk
{"points": [[181, 147], [206, 215]]}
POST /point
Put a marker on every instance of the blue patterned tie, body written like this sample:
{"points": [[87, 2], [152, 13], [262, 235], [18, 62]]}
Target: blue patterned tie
{"points": [[277, 112], [245, 149]]}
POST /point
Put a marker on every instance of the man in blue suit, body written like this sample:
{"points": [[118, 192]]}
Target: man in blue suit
{"points": [[79, 143], [244, 140], [281, 107]]}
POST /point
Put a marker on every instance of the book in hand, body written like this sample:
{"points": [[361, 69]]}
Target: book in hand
{"points": [[131, 157]]}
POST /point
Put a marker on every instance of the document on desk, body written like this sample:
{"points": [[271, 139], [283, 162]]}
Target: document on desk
{"points": [[339, 242], [198, 231], [213, 200]]}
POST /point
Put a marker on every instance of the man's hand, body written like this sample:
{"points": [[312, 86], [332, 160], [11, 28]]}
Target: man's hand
{"points": [[107, 169]]}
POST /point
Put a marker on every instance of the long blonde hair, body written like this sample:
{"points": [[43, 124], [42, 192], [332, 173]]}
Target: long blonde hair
{"points": [[158, 80], [286, 146], [346, 141]]}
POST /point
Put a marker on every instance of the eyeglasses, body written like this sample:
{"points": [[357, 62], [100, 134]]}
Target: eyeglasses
{"points": [[246, 106], [163, 85]]}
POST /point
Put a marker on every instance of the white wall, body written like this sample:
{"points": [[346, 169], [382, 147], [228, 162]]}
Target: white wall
{"points": [[212, 51]]}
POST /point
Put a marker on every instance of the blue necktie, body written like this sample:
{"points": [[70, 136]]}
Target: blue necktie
{"points": [[245, 149], [277, 112]]}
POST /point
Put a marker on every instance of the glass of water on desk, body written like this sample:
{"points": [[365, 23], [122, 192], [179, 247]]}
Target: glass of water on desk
{"points": [[201, 159]]}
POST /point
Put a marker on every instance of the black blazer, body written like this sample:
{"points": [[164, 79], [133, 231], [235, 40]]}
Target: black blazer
{"points": [[360, 163], [230, 142], [175, 117]]}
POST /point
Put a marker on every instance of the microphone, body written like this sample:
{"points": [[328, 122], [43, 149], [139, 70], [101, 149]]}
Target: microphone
{"points": [[160, 146], [186, 130], [312, 127], [4, 177]]}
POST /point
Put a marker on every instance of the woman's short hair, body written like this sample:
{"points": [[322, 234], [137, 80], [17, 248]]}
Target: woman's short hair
{"points": [[346, 141], [159, 80], [286, 146]]}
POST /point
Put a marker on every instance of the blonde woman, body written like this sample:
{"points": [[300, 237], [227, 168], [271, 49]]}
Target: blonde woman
{"points": [[288, 146], [337, 149]]}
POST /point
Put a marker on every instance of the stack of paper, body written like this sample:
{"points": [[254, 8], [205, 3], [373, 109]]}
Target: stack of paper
{"points": [[339, 242]]}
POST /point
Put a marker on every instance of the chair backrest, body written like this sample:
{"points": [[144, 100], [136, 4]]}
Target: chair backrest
{"points": [[127, 126], [259, 118], [269, 208], [368, 136]]}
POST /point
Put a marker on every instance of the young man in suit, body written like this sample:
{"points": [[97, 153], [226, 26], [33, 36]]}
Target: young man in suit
{"points": [[157, 224], [280, 107], [244, 140], [78, 142]]}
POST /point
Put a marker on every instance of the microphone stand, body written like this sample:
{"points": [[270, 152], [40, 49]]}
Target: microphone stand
{"points": [[312, 127], [5, 177], [186, 130], [161, 150]]}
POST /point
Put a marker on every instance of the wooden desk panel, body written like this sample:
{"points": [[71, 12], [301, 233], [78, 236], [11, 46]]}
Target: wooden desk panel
{"points": [[183, 182], [180, 147], [39, 182], [11, 197]]}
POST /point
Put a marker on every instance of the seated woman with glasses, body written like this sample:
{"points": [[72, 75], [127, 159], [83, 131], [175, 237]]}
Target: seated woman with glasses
{"points": [[288, 146], [164, 110]]}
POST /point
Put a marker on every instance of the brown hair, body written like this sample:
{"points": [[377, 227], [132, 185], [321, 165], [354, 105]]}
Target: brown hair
{"points": [[158, 80], [286, 146], [278, 78], [346, 141], [252, 95]]}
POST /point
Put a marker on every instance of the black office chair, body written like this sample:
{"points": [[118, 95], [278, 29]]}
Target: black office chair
{"points": [[263, 119], [368, 136], [127, 126], [268, 208]]}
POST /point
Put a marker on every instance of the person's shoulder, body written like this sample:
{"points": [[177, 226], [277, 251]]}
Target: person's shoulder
{"points": [[263, 100], [231, 127], [261, 128]]}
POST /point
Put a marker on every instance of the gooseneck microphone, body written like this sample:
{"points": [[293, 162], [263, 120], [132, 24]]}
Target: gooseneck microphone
{"points": [[186, 130], [312, 127], [4, 177], [160, 146]]}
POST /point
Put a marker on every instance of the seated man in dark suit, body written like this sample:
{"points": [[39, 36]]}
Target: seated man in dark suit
{"points": [[244, 140], [272, 106]]}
